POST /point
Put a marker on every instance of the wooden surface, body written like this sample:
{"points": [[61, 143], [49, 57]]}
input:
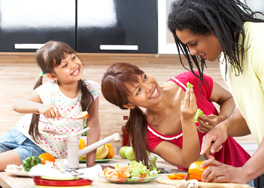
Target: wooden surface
{"points": [[20, 182], [167, 181], [19, 72]]}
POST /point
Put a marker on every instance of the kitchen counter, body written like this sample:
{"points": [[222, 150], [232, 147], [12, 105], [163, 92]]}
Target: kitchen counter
{"points": [[7, 181]]}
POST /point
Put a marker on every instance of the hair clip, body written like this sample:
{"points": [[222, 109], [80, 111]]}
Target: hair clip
{"points": [[41, 73]]}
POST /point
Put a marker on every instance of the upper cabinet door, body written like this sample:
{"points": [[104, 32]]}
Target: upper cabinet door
{"points": [[120, 26], [26, 24]]}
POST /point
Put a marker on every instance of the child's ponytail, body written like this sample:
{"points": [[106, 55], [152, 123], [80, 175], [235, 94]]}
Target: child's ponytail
{"points": [[136, 126], [87, 98], [33, 128]]}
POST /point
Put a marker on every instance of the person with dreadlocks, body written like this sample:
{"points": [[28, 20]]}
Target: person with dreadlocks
{"points": [[228, 29], [51, 107]]}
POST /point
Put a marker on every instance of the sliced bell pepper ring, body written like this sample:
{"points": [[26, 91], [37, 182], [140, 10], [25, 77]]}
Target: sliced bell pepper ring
{"points": [[176, 176]]}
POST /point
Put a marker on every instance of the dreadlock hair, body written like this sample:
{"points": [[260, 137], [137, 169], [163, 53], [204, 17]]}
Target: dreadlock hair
{"points": [[48, 57], [115, 91], [224, 18]]}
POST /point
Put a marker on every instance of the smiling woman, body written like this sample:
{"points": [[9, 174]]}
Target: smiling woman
{"points": [[167, 127]]}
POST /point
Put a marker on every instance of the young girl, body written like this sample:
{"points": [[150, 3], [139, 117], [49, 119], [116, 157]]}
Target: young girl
{"points": [[167, 128], [51, 108], [205, 30]]}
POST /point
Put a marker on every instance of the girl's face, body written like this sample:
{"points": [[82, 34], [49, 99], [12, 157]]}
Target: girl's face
{"points": [[70, 70], [205, 46], [145, 93]]}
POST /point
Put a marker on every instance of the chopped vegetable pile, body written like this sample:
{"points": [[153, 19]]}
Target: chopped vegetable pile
{"points": [[134, 170]]}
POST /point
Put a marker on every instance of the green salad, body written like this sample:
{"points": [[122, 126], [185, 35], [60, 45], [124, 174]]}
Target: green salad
{"points": [[133, 172]]}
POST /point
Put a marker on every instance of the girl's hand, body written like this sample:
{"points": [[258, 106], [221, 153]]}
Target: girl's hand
{"points": [[49, 111], [188, 105], [206, 123]]}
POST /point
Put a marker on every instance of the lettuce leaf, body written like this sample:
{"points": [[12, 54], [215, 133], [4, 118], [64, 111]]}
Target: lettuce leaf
{"points": [[199, 112]]}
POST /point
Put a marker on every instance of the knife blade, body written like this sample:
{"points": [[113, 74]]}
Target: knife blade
{"points": [[205, 156], [187, 177]]}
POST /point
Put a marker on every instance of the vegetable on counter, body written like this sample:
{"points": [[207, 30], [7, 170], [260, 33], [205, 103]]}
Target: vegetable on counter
{"points": [[195, 170], [133, 170], [31, 161], [176, 176], [47, 157]]}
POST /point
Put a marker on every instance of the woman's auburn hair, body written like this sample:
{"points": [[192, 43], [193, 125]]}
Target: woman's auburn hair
{"points": [[114, 90]]}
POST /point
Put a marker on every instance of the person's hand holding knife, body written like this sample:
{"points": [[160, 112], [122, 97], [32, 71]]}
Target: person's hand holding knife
{"points": [[212, 142]]}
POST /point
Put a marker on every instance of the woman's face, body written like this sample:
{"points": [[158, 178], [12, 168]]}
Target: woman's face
{"points": [[145, 93], [205, 46]]}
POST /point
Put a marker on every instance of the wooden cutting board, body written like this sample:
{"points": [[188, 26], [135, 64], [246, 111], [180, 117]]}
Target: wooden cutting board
{"points": [[166, 180]]}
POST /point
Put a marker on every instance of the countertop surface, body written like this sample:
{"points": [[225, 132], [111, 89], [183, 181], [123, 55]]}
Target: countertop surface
{"points": [[10, 181]]}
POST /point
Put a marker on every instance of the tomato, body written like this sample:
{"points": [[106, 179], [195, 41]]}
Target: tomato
{"points": [[143, 175], [47, 157], [195, 170]]}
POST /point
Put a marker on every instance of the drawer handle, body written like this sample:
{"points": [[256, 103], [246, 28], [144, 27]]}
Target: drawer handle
{"points": [[23, 46], [118, 47]]}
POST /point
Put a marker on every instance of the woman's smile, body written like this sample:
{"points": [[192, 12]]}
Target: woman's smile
{"points": [[155, 93]]}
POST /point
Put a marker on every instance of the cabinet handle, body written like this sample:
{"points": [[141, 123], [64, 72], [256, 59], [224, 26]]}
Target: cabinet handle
{"points": [[118, 47], [28, 46]]}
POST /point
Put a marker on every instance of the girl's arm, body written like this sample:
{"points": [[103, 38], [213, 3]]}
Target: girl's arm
{"points": [[227, 105], [33, 104], [93, 133], [190, 146]]}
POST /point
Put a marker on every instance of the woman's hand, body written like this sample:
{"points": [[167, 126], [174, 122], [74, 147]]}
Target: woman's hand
{"points": [[49, 111], [206, 123], [188, 106], [221, 173]]}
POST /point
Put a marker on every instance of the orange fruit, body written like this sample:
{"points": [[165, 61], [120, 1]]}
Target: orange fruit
{"points": [[47, 157], [82, 115], [123, 172], [111, 151], [81, 146], [110, 173]]}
